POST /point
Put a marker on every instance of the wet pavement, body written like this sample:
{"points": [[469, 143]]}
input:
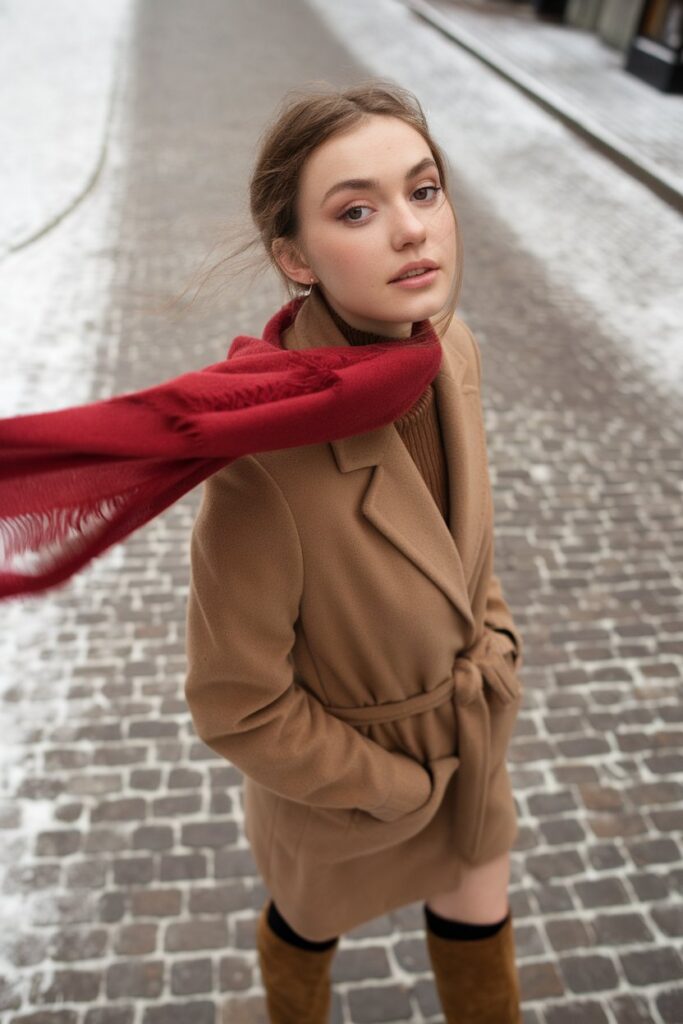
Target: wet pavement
{"points": [[127, 878]]}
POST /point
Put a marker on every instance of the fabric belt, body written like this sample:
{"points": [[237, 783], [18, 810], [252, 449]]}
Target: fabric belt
{"points": [[476, 667]]}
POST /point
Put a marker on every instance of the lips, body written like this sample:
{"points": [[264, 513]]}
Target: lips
{"points": [[415, 265]]}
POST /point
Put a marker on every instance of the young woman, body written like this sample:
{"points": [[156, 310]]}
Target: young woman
{"points": [[349, 647]]}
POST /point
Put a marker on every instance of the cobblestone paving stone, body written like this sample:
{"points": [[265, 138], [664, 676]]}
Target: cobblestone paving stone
{"points": [[136, 897]]}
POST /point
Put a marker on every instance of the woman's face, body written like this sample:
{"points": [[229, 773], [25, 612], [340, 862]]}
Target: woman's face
{"points": [[371, 201]]}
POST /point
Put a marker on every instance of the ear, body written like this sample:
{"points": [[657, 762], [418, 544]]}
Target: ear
{"points": [[291, 261]]}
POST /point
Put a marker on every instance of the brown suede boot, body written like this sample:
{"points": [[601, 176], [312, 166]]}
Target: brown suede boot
{"points": [[476, 979], [296, 981]]}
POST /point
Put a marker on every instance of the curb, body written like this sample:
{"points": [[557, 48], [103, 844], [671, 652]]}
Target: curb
{"points": [[662, 184]]}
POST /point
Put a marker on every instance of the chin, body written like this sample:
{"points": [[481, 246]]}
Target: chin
{"points": [[399, 309], [421, 308]]}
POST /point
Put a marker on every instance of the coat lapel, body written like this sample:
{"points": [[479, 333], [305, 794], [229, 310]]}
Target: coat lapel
{"points": [[397, 501]]}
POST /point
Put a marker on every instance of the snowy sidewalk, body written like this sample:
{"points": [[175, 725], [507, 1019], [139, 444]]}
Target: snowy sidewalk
{"points": [[58, 65], [577, 76]]}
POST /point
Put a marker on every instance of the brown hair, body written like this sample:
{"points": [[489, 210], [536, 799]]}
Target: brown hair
{"points": [[304, 120]]}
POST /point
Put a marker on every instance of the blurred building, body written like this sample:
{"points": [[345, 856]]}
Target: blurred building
{"points": [[648, 32], [655, 52]]}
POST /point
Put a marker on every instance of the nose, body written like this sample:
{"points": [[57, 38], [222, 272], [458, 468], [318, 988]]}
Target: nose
{"points": [[407, 228]]}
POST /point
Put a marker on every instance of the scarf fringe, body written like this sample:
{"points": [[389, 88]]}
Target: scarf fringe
{"points": [[51, 535]]}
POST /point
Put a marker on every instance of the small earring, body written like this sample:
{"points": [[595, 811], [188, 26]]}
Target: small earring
{"points": [[310, 286]]}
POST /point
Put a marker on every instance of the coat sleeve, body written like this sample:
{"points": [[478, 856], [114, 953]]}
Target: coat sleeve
{"points": [[497, 614], [246, 582]]}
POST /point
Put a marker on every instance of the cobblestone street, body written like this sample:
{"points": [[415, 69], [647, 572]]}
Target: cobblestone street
{"points": [[129, 895]]}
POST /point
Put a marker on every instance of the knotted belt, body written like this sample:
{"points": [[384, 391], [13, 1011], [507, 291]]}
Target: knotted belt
{"points": [[482, 664]]}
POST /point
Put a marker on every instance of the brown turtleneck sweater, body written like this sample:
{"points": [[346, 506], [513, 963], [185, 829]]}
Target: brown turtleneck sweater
{"points": [[419, 427]]}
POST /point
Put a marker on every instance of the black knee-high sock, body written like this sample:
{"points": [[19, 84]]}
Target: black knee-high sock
{"points": [[447, 928], [286, 932]]}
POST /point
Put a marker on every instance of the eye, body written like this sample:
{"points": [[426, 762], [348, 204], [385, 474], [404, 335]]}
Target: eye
{"points": [[345, 214], [349, 214], [425, 188]]}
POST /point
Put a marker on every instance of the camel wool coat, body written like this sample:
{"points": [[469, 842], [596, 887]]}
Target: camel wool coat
{"points": [[352, 653]]}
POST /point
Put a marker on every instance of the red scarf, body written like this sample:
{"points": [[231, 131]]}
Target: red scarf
{"points": [[75, 481]]}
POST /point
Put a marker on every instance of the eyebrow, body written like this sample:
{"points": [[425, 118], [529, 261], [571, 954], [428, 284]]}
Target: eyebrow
{"points": [[358, 183]]}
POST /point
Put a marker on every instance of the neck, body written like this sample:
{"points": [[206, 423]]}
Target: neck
{"points": [[354, 335]]}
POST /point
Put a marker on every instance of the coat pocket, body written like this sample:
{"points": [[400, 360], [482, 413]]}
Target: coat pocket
{"points": [[333, 835]]}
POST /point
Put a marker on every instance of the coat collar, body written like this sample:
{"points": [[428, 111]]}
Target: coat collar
{"points": [[397, 501]]}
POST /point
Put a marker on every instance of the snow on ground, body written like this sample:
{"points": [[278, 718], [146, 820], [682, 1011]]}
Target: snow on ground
{"points": [[594, 228], [62, 155], [59, 63]]}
